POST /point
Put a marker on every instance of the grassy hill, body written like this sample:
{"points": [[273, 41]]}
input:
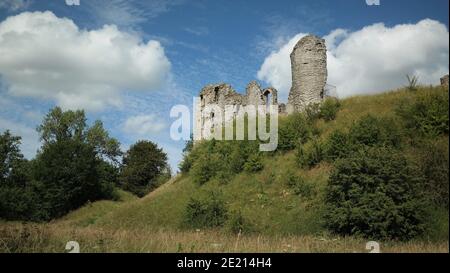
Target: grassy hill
{"points": [[276, 216]]}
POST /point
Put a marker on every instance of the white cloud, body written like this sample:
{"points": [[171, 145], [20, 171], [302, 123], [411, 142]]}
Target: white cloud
{"points": [[30, 138], [143, 125], [373, 59], [128, 13], [47, 57], [198, 31], [15, 5], [276, 69]]}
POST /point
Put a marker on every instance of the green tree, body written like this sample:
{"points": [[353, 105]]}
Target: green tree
{"points": [[69, 171], [186, 163], [17, 200], [76, 164], [106, 147], [375, 193], [62, 125], [59, 125], [10, 155], [143, 163]]}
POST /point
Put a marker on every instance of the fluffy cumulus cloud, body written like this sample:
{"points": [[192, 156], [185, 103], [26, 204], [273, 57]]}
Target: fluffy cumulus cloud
{"points": [[143, 125], [44, 56], [374, 59]]}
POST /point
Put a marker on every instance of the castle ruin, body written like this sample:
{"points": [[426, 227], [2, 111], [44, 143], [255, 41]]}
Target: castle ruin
{"points": [[309, 73], [222, 95], [309, 76]]}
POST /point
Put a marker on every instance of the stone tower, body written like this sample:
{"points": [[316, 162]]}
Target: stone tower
{"points": [[309, 73]]}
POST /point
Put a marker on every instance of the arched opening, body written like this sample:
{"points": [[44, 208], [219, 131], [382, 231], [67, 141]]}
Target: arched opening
{"points": [[268, 97], [216, 94]]}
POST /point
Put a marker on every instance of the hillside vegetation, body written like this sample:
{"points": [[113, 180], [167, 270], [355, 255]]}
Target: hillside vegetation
{"points": [[230, 197]]}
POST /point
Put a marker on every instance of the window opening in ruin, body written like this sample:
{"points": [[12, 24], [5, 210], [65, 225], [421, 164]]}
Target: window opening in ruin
{"points": [[268, 100], [212, 120], [216, 94]]}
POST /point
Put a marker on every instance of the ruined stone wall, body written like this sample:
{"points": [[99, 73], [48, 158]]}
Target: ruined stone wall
{"points": [[253, 95], [309, 77], [223, 95], [309, 73]]}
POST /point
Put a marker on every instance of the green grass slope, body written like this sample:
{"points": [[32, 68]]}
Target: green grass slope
{"points": [[278, 217], [91, 212], [266, 202]]}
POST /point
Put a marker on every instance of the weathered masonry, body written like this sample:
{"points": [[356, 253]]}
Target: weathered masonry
{"points": [[309, 73], [223, 95], [309, 76]]}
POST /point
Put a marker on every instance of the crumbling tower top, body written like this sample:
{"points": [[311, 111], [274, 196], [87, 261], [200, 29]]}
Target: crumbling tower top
{"points": [[309, 73]]}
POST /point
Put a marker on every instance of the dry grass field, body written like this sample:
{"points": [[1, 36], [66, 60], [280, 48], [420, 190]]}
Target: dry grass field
{"points": [[16, 237]]}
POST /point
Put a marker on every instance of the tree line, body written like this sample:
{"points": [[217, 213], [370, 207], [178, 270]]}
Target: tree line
{"points": [[75, 164]]}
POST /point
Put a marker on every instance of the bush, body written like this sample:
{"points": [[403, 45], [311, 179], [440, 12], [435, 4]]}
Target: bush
{"points": [[427, 113], [311, 154], [368, 131], [374, 193], [300, 186], [312, 112], [237, 224], [186, 163], [206, 212], [237, 159], [326, 110], [434, 162], [254, 164], [294, 130], [235, 154], [19, 203], [222, 159], [337, 146], [241, 151], [373, 131], [329, 109], [192, 153], [205, 168]]}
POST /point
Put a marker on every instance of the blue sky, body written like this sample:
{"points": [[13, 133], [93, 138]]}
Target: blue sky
{"points": [[200, 42]]}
